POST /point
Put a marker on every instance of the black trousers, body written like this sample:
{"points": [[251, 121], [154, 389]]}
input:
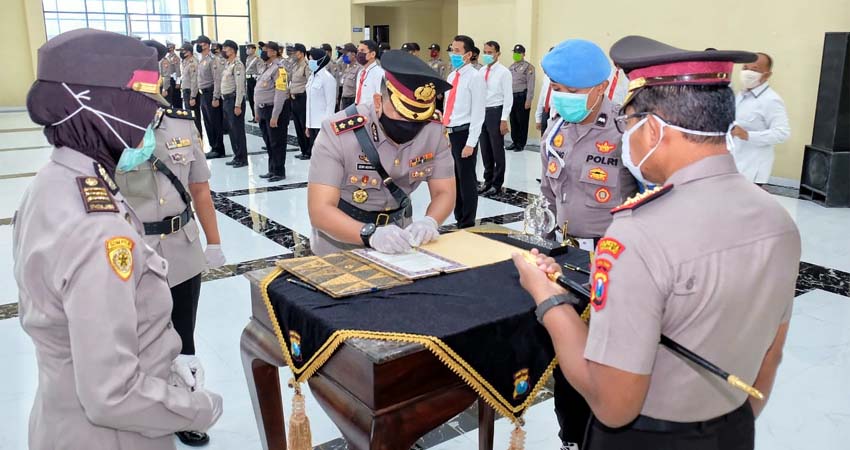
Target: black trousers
{"points": [[238, 140], [440, 100], [466, 203], [252, 83], [197, 109], [345, 102], [299, 118], [734, 431], [493, 148], [185, 297], [519, 120], [544, 125], [213, 121], [314, 133], [571, 409], [174, 94], [274, 138]]}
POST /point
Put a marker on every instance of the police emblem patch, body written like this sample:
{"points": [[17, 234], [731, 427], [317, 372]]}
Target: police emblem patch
{"points": [[295, 344], [605, 147], [521, 385], [603, 195], [558, 141], [553, 167], [599, 288], [598, 174], [119, 252], [360, 196], [611, 247]]}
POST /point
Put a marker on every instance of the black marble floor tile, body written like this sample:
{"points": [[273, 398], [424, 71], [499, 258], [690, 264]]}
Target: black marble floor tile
{"points": [[254, 129], [260, 190], [286, 237], [8, 311], [783, 191], [812, 277]]}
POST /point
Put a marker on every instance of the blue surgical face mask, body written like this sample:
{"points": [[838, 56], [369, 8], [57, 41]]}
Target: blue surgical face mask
{"points": [[133, 157], [346, 59], [487, 59], [313, 64], [457, 60], [571, 107]]}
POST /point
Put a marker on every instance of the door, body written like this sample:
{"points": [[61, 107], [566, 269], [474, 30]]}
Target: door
{"points": [[192, 27], [382, 33]]}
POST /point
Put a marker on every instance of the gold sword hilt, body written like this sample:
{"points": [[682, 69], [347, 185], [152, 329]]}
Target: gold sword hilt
{"points": [[740, 384]]}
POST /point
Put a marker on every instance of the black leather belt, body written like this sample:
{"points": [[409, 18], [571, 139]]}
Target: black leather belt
{"points": [[169, 225], [457, 129], [379, 218], [644, 423]]}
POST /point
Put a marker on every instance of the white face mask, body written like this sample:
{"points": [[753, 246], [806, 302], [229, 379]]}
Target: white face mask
{"points": [[750, 78]]}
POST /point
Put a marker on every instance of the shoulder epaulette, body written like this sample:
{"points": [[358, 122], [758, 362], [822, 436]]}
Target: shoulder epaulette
{"points": [[437, 116], [96, 197], [349, 123], [641, 199]]}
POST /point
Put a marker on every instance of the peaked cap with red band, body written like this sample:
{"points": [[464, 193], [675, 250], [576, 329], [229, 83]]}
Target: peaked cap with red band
{"points": [[648, 62], [101, 58], [412, 84]]}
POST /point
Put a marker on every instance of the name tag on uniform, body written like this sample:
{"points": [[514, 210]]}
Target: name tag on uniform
{"points": [[365, 167], [178, 143]]}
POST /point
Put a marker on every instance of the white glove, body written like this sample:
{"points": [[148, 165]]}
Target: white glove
{"points": [[217, 407], [215, 257], [391, 239], [186, 370], [423, 231]]}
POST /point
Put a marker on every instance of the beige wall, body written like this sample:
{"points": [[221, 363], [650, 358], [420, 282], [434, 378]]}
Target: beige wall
{"points": [[423, 22], [310, 22], [22, 27]]}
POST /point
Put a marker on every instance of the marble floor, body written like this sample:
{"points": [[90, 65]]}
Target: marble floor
{"points": [[263, 221]]}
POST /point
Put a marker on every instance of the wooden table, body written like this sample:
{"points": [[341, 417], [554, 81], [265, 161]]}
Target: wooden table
{"points": [[381, 395]]}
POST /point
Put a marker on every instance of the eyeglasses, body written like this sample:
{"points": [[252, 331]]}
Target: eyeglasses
{"points": [[622, 121]]}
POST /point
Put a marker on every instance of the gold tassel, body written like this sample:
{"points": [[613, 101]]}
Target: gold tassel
{"points": [[517, 438], [300, 437]]}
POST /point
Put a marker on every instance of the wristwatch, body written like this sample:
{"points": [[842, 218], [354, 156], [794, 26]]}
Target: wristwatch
{"points": [[553, 301], [366, 233]]}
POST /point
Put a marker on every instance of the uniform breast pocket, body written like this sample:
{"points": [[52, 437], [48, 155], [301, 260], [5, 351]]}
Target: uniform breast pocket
{"points": [[138, 183], [182, 157], [553, 169], [601, 184], [362, 189]]}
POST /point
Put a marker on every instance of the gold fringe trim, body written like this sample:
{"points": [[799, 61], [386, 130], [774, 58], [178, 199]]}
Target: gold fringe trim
{"points": [[437, 347]]}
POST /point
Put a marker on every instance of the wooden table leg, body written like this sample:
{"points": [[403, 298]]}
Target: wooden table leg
{"points": [[262, 374], [486, 425]]}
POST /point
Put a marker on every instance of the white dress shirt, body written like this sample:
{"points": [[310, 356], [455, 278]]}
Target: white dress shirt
{"points": [[762, 113], [321, 97], [469, 103], [541, 102], [500, 91], [370, 84]]}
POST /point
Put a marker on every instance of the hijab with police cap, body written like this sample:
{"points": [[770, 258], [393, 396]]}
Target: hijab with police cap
{"points": [[96, 92]]}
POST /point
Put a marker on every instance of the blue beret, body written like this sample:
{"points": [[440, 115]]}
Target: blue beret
{"points": [[577, 63]]}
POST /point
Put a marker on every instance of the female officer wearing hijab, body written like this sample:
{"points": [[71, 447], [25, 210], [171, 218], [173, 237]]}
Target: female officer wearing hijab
{"points": [[321, 94], [93, 296]]}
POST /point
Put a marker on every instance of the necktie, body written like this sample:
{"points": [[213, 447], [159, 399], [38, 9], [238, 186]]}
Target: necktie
{"points": [[487, 74], [360, 86], [450, 102], [548, 96]]}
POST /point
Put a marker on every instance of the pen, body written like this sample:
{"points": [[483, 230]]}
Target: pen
{"points": [[302, 284], [576, 269]]}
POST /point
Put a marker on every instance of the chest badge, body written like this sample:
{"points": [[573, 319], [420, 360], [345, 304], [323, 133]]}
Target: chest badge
{"points": [[360, 196], [178, 143], [598, 174], [603, 195], [558, 141], [605, 147], [553, 167]]}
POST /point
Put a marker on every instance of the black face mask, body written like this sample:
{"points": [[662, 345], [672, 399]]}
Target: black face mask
{"points": [[199, 48], [401, 131], [264, 56]]}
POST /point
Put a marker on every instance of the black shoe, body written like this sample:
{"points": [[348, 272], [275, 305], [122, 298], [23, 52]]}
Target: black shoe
{"points": [[276, 178], [193, 438], [517, 149], [214, 155], [266, 175], [511, 147], [264, 148], [231, 162], [239, 164], [492, 191], [303, 157], [484, 188]]}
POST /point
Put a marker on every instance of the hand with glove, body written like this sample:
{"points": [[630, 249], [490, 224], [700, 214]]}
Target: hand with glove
{"points": [[215, 257], [423, 231], [187, 371], [391, 239]]}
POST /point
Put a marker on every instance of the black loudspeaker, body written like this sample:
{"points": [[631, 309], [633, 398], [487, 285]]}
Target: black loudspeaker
{"points": [[826, 163], [826, 177], [832, 115]]}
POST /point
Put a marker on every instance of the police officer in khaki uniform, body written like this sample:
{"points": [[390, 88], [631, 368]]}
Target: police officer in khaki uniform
{"points": [[298, 76], [441, 67], [348, 79], [233, 95], [94, 296], [708, 260], [271, 94], [523, 83], [359, 195], [189, 83], [162, 191], [176, 98], [209, 85], [254, 66], [583, 175]]}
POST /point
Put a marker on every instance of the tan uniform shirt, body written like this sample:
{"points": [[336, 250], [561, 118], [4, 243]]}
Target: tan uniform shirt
{"points": [[254, 66], [174, 59], [335, 68], [349, 80], [523, 77], [712, 264], [154, 197], [95, 301], [167, 68], [272, 87], [233, 80], [298, 77], [440, 67], [209, 74], [189, 78], [339, 162], [592, 179]]}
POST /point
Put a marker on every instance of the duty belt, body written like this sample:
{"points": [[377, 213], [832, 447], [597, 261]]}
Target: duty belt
{"points": [[457, 129], [379, 218], [169, 225]]}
